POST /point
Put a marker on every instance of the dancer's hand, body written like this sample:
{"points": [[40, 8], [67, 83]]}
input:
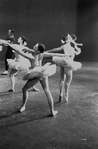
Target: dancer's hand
{"points": [[80, 44]]}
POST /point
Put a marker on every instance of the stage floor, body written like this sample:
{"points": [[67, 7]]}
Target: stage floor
{"points": [[75, 126]]}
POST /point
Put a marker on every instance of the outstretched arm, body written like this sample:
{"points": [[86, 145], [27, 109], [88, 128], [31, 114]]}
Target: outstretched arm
{"points": [[55, 49], [79, 44], [3, 42], [19, 50], [46, 54], [26, 49]]}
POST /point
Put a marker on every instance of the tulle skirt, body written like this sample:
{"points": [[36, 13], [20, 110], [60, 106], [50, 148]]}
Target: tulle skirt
{"points": [[66, 62], [22, 64], [40, 72]]}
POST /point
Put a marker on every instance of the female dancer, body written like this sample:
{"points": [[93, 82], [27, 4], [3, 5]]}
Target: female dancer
{"points": [[17, 64], [67, 63], [37, 73]]}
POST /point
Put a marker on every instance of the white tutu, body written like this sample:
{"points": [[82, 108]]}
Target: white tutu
{"points": [[22, 64], [66, 62], [40, 72]]}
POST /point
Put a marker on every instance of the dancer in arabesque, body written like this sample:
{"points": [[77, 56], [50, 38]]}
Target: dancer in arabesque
{"points": [[67, 63]]}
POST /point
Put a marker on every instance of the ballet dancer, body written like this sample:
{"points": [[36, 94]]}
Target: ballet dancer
{"points": [[17, 64], [67, 63], [37, 73]]}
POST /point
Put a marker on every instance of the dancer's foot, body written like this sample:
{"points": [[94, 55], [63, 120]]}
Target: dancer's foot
{"points": [[66, 97], [22, 109], [54, 113], [4, 73], [60, 98], [10, 90], [35, 89]]}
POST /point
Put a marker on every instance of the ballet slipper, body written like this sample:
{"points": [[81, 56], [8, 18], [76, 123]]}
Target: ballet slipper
{"points": [[54, 113], [22, 109]]}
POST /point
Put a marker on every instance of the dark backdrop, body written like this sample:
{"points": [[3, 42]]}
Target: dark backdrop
{"points": [[47, 21], [43, 21], [87, 29]]}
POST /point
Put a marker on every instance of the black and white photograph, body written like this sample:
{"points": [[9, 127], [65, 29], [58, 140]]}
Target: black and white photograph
{"points": [[48, 74]]}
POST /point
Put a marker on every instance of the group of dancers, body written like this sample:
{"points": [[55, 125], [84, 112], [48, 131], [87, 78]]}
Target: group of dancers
{"points": [[31, 60]]}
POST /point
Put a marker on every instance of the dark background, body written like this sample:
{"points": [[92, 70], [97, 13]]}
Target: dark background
{"points": [[87, 28], [47, 21]]}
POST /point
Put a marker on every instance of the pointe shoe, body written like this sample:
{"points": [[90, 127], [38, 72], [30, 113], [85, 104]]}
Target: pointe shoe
{"points": [[22, 109], [54, 113], [60, 98]]}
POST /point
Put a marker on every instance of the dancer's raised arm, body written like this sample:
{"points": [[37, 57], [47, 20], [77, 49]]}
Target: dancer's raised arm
{"points": [[55, 49], [3, 42], [23, 48], [26, 49], [79, 44], [46, 54], [19, 50]]}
